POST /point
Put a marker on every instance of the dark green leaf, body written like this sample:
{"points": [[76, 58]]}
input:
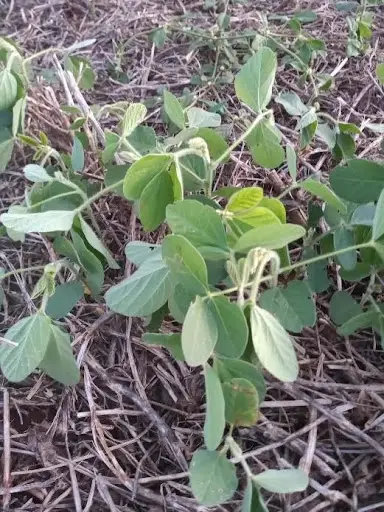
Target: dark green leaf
{"points": [[64, 299], [345, 146], [349, 128], [308, 126], [343, 238], [6, 148], [273, 236], [143, 139], [142, 172], [139, 252], [90, 263], [179, 302], [363, 215], [114, 174], [323, 192], [174, 110], [158, 36], [94, 242], [215, 142], [229, 369], [214, 417], [155, 198], [241, 402], [343, 307], [361, 271], [172, 342], [305, 16], [362, 321]]}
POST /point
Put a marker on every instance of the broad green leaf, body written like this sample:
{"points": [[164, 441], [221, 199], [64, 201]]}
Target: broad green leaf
{"points": [[282, 481], [241, 402], [229, 369], [199, 333], [215, 142], [32, 335], [245, 200], [307, 126], [114, 174], [253, 84], [174, 110], [214, 417], [345, 147], [327, 134], [155, 198], [172, 342], [264, 143], [212, 478], [18, 111], [36, 173], [292, 103], [253, 501], [343, 307], [64, 299], [6, 148], [144, 292], [8, 88], [293, 306], [275, 206], [378, 221], [363, 215], [273, 345], [143, 139], [112, 143], [318, 279], [273, 236], [361, 271], [45, 222], [179, 301], [139, 252], [360, 181], [199, 118], [349, 128], [194, 172], [343, 238], [259, 216], [77, 157], [291, 161], [380, 72], [379, 248], [134, 115], [199, 223], [305, 16], [59, 361], [90, 263], [97, 244], [158, 37], [81, 70], [323, 192], [142, 172], [231, 325], [362, 321]]}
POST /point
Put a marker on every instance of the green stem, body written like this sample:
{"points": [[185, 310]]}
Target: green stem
{"points": [[238, 455], [21, 271], [99, 194], [291, 188]]}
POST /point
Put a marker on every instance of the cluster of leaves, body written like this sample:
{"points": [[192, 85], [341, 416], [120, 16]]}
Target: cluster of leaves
{"points": [[216, 271]]}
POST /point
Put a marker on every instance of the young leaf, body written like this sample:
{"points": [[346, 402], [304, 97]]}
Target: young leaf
{"points": [[174, 110], [94, 242], [378, 221], [253, 501], [45, 222], [323, 192], [172, 342], [199, 334], [275, 206], [152, 212], [199, 223], [291, 161], [241, 402], [293, 306], [199, 118], [64, 299], [32, 335], [245, 200], [232, 327], [144, 292], [360, 182], [343, 238], [214, 417], [327, 134], [212, 478], [77, 157], [215, 142], [253, 84], [362, 321], [292, 103], [273, 345], [134, 115], [282, 481], [59, 362], [229, 369], [142, 172], [8, 88], [36, 173], [273, 236], [306, 16], [343, 307]]}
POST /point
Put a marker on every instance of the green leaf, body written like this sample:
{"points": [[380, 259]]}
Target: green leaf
{"points": [[199, 118], [323, 192], [282, 481], [6, 148], [318, 279], [59, 362], [345, 146], [375, 127], [139, 252], [32, 335], [64, 299], [77, 157], [363, 215], [362, 321], [274, 236], [133, 117], [215, 142], [179, 301], [194, 172], [114, 174], [293, 306], [199, 333], [229, 369], [155, 198], [360, 181], [81, 70], [90, 263], [253, 84], [343, 238], [144, 292], [349, 128], [174, 110], [253, 501], [142, 172], [291, 161], [245, 200], [273, 345], [212, 478], [308, 126], [378, 221], [143, 139], [292, 103], [158, 36], [326, 134], [36, 173], [380, 72], [8, 88], [264, 143], [343, 307], [18, 112], [361, 271], [172, 342], [241, 402], [199, 223], [94, 242], [379, 248], [46, 222], [214, 417], [305, 16]]}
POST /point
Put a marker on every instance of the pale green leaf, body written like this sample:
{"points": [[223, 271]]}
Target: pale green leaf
{"points": [[45, 222], [18, 112], [199, 118], [282, 481], [378, 221], [64, 299], [77, 157], [326, 134], [97, 244], [273, 236], [134, 115], [155, 198], [307, 126], [245, 200], [80, 45], [375, 127], [343, 307], [253, 501], [171, 342], [179, 302], [139, 252], [291, 161], [212, 478], [292, 103], [199, 333], [229, 369], [6, 148], [215, 142], [264, 143], [276, 207], [214, 417], [8, 88], [273, 345], [364, 215], [253, 84], [174, 110], [142, 172], [241, 402], [59, 362], [36, 173], [380, 72], [325, 193]]}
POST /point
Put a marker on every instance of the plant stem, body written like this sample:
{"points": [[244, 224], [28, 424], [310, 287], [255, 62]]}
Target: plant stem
{"points": [[99, 194], [238, 454], [21, 271]]}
